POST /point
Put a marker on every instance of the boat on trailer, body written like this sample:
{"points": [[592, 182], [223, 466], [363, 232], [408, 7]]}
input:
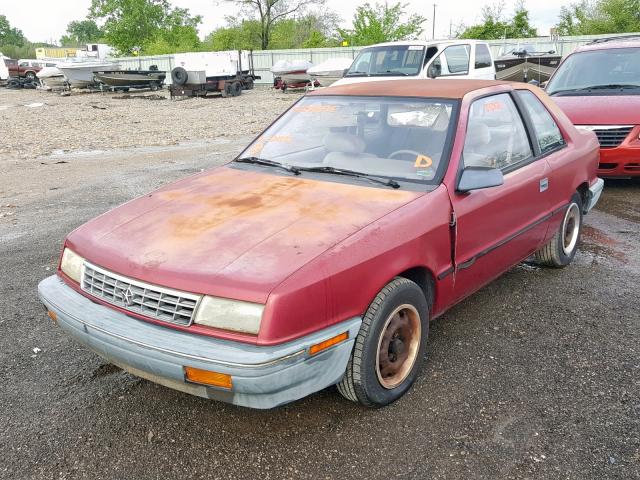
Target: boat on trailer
{"points": [[125, 79], [524, 64], [51, 78], [291, 74], [79, 74], [330, 71]]}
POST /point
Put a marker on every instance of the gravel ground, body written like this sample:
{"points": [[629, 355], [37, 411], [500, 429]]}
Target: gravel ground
{"points": [[535, 376], [38, 122]]}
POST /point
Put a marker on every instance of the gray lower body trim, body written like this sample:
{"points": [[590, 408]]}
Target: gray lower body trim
{"points": [[595, 191], [263, 376]]}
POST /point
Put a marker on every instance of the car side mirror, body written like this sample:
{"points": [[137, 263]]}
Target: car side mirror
{"points": [[433, 71], [476, 178]]}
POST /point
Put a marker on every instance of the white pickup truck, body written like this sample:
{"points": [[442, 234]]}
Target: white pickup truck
{"points": [[419, 59]]}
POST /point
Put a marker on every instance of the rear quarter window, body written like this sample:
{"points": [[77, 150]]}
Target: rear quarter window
{"points": [[545, 128]]}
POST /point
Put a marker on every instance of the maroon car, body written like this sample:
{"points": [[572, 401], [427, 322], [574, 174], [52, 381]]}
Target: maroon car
{"points": [[319, 255], [598, 87]]}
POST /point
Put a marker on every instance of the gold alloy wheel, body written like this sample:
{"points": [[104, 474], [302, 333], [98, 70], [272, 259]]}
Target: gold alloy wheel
{"points": [[398, 346]]}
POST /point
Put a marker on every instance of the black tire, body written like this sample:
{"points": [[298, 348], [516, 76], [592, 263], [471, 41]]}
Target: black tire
{"points": [[561, 249], [227, 91], [179, 76], [363, 379], [248, 84], [236, 88], [153, 86]]}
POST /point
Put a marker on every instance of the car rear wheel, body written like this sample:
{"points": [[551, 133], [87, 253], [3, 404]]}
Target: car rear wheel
{"points": [[390, 346], [559, 252]]}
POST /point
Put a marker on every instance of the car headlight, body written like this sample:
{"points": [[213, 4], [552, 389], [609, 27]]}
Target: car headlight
{"points": [[228, 314], [71, 264]]}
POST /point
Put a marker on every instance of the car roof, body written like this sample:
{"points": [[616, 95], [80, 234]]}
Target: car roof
{"points": [[453, 89], [426, 43], [609, 43]]}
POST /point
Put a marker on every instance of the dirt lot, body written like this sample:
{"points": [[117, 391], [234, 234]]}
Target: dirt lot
{"points": [[535, 376], [38, 122]]}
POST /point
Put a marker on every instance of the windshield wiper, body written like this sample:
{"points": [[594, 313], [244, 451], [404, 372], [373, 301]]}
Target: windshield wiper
{"points": [[390, 73], [270, 163], [356, 74], [388, 182], [610, 86]]}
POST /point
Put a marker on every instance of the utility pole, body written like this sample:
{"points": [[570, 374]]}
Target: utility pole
{"points": [[433, 31]]}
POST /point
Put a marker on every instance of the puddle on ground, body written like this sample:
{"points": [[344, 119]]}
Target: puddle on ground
{"points": [[599, 244]]}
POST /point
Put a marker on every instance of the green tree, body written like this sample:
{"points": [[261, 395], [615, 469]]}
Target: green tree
{"points": [[179, 33], [244, 35], [308, 31], [520, 26], [269, 12], [382, 23], [144, 23], [494, 25], [81, 32], [591, 17], [10, 35]]}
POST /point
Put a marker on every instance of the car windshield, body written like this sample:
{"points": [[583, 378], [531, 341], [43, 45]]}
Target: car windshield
{"points": [[404, 139], [608, 69], [398, 60]]}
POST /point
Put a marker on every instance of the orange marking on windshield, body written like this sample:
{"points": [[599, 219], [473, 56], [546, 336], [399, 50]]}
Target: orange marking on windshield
{"points": [[280, 138], [422, 161], [315, 108]]}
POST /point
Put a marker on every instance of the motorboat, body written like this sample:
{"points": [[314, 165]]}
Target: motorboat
{"points": [[51, 78], [292, 73], [79, 74], [330, 71], [525, 63], [124, 79]]}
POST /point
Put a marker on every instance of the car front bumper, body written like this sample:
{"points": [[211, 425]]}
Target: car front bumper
{"points": [[621, 162], [262, 376]]}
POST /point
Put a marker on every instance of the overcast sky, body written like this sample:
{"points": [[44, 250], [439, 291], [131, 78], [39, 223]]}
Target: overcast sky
{"points": [[46, 20]]}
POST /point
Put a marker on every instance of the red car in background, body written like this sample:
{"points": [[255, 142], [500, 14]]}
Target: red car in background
{"points": [[598, 87], [319, 255]]}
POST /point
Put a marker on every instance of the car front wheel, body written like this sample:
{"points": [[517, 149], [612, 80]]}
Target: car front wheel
{"points": [[390, 346], [559, 252]]}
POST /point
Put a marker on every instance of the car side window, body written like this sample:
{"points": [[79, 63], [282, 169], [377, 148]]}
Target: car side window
{"points": [[547, 132], [496, 136], [456, 58], [483, 57]]}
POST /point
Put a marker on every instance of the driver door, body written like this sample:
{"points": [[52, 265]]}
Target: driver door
{"points": [[500, 226]]}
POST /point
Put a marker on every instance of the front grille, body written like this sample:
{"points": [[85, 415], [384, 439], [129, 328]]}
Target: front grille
{"points": [[611, 137], [143, 298]]}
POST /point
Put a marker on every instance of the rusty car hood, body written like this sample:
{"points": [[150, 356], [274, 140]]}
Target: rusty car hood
{"points": [[601, 109], [231, 232]]}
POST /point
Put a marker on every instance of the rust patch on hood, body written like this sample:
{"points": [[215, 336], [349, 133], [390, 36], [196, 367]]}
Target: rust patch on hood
{"points": [[246, 227]]}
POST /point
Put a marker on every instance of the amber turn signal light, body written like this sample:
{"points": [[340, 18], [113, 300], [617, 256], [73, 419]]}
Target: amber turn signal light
{"points": [[52, 316], [205, 377], [319, 347]]}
